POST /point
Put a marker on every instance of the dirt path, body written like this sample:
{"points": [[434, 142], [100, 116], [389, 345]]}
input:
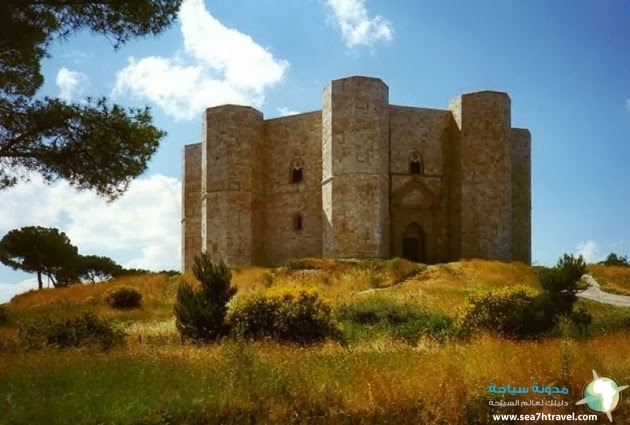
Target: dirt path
{"points": [[593, 292]]}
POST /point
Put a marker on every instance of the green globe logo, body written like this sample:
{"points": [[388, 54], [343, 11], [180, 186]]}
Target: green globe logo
{"points": [[602, 395]]}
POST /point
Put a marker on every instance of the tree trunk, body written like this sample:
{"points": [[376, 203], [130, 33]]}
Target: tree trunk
{"points": [[39, 280]]}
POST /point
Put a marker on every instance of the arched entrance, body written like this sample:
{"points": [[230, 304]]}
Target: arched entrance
{"points": [[414, 244]]}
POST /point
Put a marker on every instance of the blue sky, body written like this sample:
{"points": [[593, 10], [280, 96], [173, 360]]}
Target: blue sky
{"points": [[565, 65]]}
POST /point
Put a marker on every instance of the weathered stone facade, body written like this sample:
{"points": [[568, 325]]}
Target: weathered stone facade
{"points": [[359, 179]]}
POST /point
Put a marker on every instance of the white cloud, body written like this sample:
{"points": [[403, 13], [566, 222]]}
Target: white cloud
{"points": [[77, 56], [589, 250], [8, 290], [141, 228], [218, 65], [285, 112], [357, 28], [71, 84]]}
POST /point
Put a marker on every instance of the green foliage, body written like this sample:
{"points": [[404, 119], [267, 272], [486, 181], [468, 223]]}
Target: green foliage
{"points": [[44, 251], [200, 313], [123, 297], [561, 283], [615, 260], [75, 331], [385, 316], [518, 312], [4, 314], [297, 315], [91, 144], [513, 312], [94, 268]]}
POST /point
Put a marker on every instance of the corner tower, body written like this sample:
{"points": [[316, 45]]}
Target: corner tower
{"points": [[355, 168], [484, 164], [232, 185]]}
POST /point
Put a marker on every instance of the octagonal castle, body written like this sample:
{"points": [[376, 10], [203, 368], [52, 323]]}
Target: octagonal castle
{"points": [[359, 179]]}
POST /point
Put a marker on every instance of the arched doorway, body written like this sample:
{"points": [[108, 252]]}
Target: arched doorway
{"points": [[414, 246]]}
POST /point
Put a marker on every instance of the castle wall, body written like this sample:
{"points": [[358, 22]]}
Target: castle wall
{"points": [[191, 204], [289, 139], [520, 153], [232, 183], [357, 195], [355, 180], [418, 198], [486, 192]]}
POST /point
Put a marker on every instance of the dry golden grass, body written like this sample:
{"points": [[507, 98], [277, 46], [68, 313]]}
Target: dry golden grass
{"points": [[445, 287], [428, 384], [158, 291], [612, 278]]}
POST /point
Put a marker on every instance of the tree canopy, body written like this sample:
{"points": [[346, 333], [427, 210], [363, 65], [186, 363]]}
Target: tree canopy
{"points": [[40, 250], [49, 252], [93, 145]]}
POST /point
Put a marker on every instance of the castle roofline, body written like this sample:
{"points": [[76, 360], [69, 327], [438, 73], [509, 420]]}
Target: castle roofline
{"points": [[231, 106], [359, 77], [482, 92]]}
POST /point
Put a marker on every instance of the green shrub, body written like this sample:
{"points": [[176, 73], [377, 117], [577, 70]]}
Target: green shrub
{"points": [[515, 312], [297, 315], [74, 331], [200, 313], [123, 297], [561, 283], [398, 320], [4, 314]]}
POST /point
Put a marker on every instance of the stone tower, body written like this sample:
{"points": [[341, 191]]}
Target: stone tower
{"points": [[355, 162], [484, 123], [232, 184]]}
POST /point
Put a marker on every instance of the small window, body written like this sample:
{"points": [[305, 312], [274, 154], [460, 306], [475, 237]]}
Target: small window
{"points": [[298, 222], [415, 163], [297, 173]]}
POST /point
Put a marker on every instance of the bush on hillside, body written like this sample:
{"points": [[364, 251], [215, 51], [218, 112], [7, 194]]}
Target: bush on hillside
{"points": [[123, 297], [615, 260], [200, 313], [74, 331], [513, 312], [297, 315], [561, 283]]}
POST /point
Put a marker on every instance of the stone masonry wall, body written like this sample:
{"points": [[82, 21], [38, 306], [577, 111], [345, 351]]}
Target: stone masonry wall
{"points": [[232, 184], [520, 152], [355, 180], [191, 204], [289, 139], [486, 190], [418, 198], [357, 195]]}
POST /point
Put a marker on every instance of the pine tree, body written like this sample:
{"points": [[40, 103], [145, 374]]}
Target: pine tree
{"points": [[201, 312]]}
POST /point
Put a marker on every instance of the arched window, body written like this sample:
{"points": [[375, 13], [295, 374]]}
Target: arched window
{"points": [[298, 222], [415, 163], [297, 171]]}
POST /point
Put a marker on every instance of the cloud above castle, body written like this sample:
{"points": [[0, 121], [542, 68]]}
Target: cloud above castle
{"points": [[356, 25], [217, 65]]}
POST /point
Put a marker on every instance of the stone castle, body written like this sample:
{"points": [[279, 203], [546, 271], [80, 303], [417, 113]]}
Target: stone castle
{"points": [[359, 179]]}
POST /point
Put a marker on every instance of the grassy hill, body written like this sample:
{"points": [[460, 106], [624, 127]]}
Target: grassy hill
{"points": [[375, 377]]}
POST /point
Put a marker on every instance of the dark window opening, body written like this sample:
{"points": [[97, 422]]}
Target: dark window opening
{"points": [[415, 164], [298, 224], [297, 173]]}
